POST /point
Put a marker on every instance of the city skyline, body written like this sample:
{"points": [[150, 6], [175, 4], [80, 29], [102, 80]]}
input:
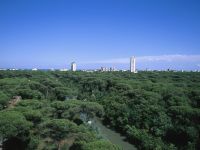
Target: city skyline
{"points": [[50, 34], [143, 63]]}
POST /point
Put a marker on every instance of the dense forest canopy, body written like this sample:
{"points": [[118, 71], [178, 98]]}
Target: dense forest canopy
{"points": [[154, 110]]}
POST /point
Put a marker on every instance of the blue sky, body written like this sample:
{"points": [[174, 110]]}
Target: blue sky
{"points": [[94, 33]]}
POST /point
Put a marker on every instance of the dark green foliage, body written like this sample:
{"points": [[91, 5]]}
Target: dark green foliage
{"points": [[33, 143]]}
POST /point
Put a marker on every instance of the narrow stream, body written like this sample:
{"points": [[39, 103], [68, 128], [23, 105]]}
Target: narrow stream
{"points": [[113, 136]]}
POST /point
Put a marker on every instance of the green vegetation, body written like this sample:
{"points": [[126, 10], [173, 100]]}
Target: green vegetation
{"points": [[154, 110]]}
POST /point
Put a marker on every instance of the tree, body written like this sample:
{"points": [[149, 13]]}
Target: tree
{"points": [[58, 129], [14, 125], [34, 116], [3, 100]]}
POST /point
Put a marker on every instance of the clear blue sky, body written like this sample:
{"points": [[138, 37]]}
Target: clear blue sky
{"points": [[52, 33]]}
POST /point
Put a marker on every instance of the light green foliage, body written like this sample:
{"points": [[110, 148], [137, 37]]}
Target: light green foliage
{"points": [[33, 115], [13, 124], [3, 100], [99, 145], [58, 129]]}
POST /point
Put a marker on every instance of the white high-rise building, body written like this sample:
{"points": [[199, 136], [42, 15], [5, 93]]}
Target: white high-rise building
{"points": [[132, 64], [73, 66]]}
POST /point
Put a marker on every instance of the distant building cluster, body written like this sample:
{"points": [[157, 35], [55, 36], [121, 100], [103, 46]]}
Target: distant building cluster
{"points": [[104, 69], [64, 69], [132, 66], [34, 69]]}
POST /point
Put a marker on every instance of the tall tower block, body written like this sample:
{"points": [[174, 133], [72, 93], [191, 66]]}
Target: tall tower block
{"points": [[73, 66], [132, 64]]}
